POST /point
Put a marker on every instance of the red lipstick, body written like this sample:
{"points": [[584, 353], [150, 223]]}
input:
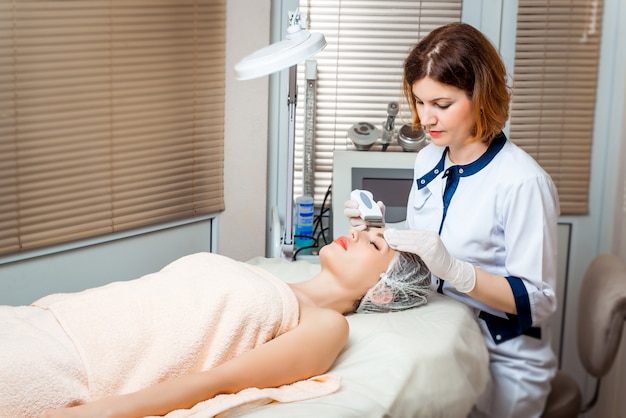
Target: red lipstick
{"points": [[342, 241]]}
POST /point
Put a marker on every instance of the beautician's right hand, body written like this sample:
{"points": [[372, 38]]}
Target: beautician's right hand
{"points": [[352, 212]]}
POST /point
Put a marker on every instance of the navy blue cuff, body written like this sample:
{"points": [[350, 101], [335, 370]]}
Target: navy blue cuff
{"points": [[522, 303], [504, 329]]}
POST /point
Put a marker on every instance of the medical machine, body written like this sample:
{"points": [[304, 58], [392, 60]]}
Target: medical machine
{"points": [[412, 140], [387, 175], [363, 135]]}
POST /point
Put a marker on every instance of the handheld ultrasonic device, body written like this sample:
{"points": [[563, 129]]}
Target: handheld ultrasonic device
{"points": [[370, 211]]}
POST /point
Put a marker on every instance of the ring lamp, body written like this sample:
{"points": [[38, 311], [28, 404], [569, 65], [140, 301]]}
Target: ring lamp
{"points": [[297, 45]]}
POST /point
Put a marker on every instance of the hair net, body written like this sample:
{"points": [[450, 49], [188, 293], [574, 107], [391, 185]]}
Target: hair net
{"points": [[404, 285]]}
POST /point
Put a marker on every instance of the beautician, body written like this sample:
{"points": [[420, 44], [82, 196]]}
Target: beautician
{"points": [[482, 214]]}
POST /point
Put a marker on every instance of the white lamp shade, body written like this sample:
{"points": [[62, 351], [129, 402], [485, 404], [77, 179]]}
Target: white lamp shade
{"points": [[298, 45]]}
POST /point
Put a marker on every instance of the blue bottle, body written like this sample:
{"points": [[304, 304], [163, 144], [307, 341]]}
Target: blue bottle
{"points": [[304, 215]]}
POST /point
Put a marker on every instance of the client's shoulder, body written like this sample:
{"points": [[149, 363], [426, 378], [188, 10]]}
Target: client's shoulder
{"points": [[323, 320], [322, 334]]}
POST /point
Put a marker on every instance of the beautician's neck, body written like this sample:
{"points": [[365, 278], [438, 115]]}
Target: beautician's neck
{"points": [[467, 153]]}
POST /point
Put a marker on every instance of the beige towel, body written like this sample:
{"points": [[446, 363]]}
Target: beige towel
{"points": [[39, 367], [224, 406], [194, 314]]}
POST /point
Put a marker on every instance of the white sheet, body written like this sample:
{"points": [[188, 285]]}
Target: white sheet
{"points": [[427, 362]]}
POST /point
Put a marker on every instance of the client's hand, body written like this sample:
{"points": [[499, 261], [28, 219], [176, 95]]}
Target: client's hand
{"points": [[96, 409], [428, 245], [352, 212], [62, 413]]}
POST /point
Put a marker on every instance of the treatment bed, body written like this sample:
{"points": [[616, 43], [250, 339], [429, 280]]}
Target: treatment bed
{"points": [[430, 361]]}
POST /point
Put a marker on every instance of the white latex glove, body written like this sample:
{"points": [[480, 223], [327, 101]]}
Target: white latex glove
{"points": [[428, 245], [352, 212]]}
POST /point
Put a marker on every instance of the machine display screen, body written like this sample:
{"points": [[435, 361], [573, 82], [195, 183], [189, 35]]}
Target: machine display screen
{"points": [[391, 185]]}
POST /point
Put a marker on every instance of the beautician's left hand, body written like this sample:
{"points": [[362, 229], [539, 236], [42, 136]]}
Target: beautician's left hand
{"points": [[428, 245]]}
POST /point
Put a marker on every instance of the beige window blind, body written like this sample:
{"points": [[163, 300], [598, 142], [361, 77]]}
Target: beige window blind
{"points": [[359, 71], [111, 116], [554, 91]]}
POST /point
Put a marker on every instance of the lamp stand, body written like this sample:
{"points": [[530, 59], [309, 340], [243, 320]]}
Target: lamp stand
{"points": [[292, 99], [298, 45]]}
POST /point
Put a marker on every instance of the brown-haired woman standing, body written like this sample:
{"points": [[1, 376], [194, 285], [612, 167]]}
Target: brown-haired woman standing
{"points": [[482, 214]]}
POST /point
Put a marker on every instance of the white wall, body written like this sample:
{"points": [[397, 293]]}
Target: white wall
{"points": [[242, 225]]}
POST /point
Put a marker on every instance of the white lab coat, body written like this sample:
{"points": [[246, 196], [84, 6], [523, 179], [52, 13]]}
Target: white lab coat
{"points": [[501, 215]]}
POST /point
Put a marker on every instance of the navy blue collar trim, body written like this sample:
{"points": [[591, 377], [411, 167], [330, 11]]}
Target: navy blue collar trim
{"points": [[468, 169]]}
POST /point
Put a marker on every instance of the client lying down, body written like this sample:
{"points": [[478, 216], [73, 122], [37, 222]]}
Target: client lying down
{"points": [[203, 326]]}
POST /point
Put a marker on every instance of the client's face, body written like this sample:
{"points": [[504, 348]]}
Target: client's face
{"points": [[359, 258]]}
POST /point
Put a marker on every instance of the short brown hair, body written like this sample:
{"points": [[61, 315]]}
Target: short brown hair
{"points": [[459, 55]]}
